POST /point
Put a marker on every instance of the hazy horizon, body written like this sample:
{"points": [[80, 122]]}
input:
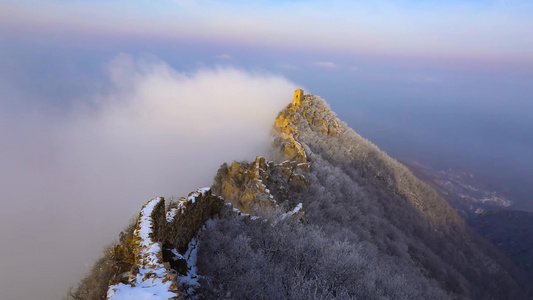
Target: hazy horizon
{"points": [[104, 105]]}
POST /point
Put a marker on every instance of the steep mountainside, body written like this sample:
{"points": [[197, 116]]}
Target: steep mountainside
{"points": [[327, 216], [511, 231]]}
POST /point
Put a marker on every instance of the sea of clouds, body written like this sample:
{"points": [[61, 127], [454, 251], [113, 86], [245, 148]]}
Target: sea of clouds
{"points": [[70, 179]]}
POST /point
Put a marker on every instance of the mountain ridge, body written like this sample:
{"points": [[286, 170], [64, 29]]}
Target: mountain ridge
{"points": [[357, 203]]}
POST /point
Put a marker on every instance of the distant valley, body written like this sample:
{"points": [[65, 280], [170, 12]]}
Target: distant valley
{"points": [[488, 212], [469, 195]]}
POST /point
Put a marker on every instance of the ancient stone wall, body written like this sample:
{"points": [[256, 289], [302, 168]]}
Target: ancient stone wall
{"points": [[188, 215], [142, 256]]}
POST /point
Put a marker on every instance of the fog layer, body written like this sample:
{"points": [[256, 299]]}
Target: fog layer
{"points": [[70, 180]]}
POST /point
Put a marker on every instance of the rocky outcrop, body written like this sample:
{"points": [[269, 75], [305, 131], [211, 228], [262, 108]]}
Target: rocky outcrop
{"points": [[262, 185], [254, 187], [301, 110]]}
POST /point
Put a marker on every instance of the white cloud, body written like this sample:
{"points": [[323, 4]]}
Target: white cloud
{"points": [[70, 184]]}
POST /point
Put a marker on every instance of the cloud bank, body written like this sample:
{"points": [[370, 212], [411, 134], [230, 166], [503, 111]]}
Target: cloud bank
{"points": [[70, 181]]}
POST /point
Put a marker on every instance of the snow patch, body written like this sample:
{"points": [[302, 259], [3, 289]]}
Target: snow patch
{"points": [[145, 222], [294, 211], [147, 290], [189, 283], [177, 255], [240, 213], [171, 214], [201, 191]]}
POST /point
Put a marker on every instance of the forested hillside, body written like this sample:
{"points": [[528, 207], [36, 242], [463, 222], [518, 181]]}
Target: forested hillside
{"points": [[330, 216]]}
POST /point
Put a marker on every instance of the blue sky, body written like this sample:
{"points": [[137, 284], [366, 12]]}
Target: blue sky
{"points": [[486, 30]]}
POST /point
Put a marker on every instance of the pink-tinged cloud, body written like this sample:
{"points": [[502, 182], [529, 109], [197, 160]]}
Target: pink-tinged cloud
{"points": [[224, 56], [287, 66], [326, 64], [437, 30]]}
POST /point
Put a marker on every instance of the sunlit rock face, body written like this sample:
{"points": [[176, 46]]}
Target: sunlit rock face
{"points": [[302, 109], [255, 187]]}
